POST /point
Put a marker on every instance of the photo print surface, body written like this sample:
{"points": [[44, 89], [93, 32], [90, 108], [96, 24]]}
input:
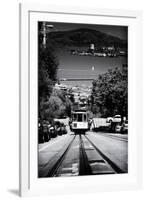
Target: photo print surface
{"points": [[82, 99]]}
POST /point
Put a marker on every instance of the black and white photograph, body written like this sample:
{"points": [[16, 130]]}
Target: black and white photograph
{"points": [[82, 99]]}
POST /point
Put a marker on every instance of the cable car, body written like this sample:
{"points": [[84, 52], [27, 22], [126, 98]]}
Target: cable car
{"points": [[79, 122]]}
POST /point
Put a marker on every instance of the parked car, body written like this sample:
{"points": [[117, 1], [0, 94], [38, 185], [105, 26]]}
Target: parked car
{"points": [[59, 132], [52, 132], [124, 128], [118, 128], [40, 133], [46, 132], [116, 118], [43, 130], [63, 129], [58, 128]]}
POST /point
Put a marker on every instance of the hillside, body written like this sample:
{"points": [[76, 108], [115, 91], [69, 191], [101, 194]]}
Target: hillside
{"points": [[83, 37]]}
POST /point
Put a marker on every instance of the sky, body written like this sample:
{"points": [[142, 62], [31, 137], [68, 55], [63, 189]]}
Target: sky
{"points": [[118, 31]]}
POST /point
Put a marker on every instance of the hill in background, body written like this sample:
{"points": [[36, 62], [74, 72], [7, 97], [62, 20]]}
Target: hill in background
{"points": [[83, 37]]}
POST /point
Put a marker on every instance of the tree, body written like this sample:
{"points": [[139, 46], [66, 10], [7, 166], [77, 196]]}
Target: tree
{"points": [[58, 105], [110, 93], [47, 71]]}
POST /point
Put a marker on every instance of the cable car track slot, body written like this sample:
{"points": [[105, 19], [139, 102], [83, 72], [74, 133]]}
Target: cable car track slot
{"points": [[84, 167], [57, 164]]}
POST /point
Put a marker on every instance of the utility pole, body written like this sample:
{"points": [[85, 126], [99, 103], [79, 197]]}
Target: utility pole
{"points": [[45, 29], [44, 34]]}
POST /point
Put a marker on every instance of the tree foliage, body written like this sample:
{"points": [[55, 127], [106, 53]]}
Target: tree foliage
{"points": [[47, 71], [52, 102], [58, 105], [47, 75], [110, 93]]}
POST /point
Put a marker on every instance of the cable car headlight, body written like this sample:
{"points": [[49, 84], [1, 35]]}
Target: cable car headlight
{"points": [[75, 125]]}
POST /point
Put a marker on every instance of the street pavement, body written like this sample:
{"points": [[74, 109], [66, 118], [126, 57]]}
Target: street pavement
{"points": [[114, 146]]}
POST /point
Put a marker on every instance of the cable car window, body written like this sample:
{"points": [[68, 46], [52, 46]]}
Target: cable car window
{"points": [[85, 118], [74, 117], [79, 117]]}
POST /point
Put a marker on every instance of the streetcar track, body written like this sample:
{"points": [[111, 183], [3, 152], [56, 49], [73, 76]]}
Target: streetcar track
{"points": [[58, 163], [84, 167], [84, 163], [108, 160]]}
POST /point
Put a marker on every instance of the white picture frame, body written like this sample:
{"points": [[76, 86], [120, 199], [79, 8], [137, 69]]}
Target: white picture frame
{"points": [[30, 185]]}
